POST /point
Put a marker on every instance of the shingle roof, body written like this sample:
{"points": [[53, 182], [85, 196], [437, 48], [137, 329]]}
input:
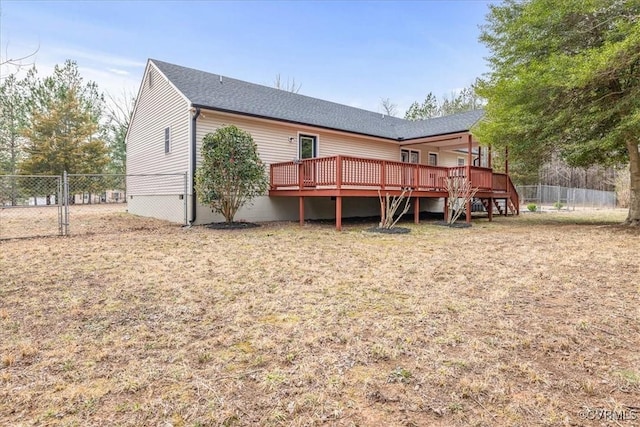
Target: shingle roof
{"points": [[217, 92]]}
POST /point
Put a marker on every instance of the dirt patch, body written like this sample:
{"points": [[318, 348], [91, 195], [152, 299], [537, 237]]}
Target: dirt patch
{"points": [[522, 321]]}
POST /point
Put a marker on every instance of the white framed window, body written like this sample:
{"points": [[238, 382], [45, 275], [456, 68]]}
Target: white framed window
{"points": [[167, 140], [409, 156], [307, 146], [462, 161], [433, 159], [150, 79]]}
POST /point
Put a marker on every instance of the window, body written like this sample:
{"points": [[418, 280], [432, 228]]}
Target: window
{"points": [[433, 159], [461, 161], [150, 79], [307, 146], [167, 140], [409, 156]]}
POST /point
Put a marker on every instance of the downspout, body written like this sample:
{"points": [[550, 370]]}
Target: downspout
{"points": [[194, 202]]}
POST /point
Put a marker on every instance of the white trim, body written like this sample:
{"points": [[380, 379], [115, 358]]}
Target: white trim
{"points": [[187, 100], [140, 89], [437, 158], [316, 136], [410, 151]]}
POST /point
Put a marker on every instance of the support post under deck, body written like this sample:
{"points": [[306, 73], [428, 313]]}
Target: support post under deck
{"points": [[301, 209], [446, 209], [339, 213], [416, 210]]}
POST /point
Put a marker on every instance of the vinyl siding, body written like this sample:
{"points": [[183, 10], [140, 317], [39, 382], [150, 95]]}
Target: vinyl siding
{"points": [[159, 106], [450, 158], [272, 139]]}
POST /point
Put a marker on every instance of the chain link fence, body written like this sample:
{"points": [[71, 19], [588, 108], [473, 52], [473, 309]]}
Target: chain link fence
{"points": [[565, 197], [35, 206], [30, 205]]}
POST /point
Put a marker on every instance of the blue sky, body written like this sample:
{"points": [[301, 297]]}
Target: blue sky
{"points": [[354, 53]]}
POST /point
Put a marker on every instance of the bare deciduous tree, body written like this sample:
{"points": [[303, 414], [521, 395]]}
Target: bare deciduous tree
{"points": [[19, 62], [389, 206], [389, 108], [460, 193], [289, 86], [623, 186], [119, 111]]}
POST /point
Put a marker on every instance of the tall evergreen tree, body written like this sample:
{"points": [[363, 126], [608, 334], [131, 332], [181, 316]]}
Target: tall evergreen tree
{"points": [[63, 134], [428, 109]]}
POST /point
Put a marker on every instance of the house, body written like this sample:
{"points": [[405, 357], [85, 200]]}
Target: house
{"points": [[325, 160]]}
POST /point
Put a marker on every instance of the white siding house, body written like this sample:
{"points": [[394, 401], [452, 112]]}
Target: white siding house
{"points": [[177, 106]]}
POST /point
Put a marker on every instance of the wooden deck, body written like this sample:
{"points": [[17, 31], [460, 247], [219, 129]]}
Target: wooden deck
{"points": [[345, 176]]}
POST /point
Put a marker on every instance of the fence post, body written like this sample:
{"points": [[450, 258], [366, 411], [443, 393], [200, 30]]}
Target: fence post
{"points": [[65, 203], [539, 195], [59, 199]]}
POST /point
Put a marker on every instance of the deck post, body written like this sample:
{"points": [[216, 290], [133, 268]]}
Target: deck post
{"points": [[446, 209], [416, 210], [468, 209], [339, 213], [338, 172], [469, 155], [300, 176], [383, 174], [301, 209]]}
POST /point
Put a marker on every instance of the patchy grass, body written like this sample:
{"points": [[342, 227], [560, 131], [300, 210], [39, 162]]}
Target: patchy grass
{"points": [[522, 321]]}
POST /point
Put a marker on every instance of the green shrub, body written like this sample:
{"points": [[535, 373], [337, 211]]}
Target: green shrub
{"points": [[231, 173], [558, 205], [532, 207]]}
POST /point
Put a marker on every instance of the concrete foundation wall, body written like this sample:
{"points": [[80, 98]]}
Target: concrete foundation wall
{"points": [[286, 209], [167, 207]]}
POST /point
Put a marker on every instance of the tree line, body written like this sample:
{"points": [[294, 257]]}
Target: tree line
{"points": [[59, 123], [457, 102], [564, 81]]}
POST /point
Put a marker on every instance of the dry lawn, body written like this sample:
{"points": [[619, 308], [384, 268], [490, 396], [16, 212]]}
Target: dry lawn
{"points": [[524, 321], [42, 221]]}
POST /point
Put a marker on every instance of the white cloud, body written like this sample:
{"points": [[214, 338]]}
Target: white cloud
{"points": [[98, 57], [119, 72]]}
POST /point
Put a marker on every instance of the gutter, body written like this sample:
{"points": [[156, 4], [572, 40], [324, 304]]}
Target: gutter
{"points": [[194, 201]]}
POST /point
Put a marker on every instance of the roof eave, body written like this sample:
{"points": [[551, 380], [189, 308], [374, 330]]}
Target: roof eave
{"points": [[434, 137]]}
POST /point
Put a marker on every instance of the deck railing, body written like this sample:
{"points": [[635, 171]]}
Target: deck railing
{"points": [[356, 172]]}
